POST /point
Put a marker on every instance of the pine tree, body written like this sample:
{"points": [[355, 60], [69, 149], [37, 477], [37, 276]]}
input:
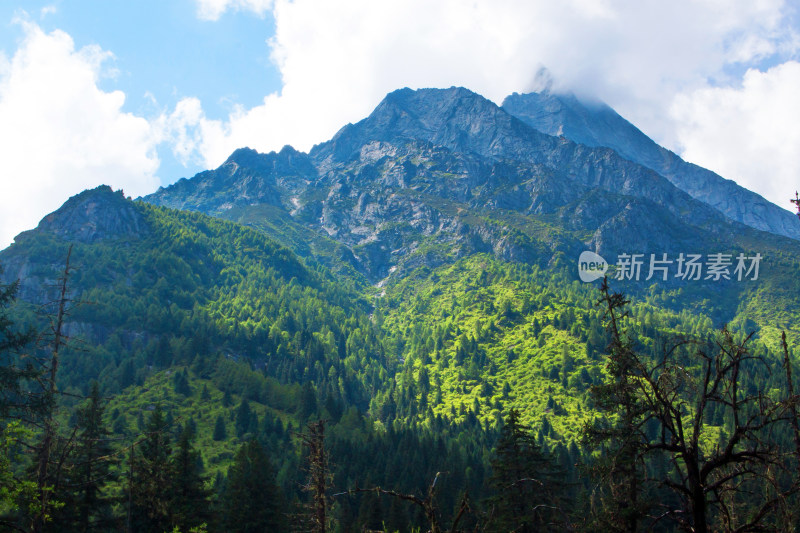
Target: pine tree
{"points": [[243, 415], [227, 401], [528, 492], [151, 478], [619, 505], [181, 383], [15, 404], [189, 495], [13, 375], [85, 505], [48, 469], [318, 476], [219, 430], [251, 500], [308, 401]]}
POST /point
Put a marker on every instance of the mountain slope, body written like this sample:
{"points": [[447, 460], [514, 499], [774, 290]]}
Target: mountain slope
{"points": [[432, 176], [432, 188], [596, 124], [163, 287]]}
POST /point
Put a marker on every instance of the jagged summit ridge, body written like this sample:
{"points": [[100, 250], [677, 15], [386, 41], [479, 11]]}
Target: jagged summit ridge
{"points": [[247, 177], [455, 118]]}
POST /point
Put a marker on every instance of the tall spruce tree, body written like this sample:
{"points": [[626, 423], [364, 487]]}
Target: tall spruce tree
{"points": [[243, 416], [219, 429], [151, 478], [528, 486], [16, 407], [15, 401], [52, 447], [617, 501], [86, 506], [319, 476], [189, 495], [252, 501]]}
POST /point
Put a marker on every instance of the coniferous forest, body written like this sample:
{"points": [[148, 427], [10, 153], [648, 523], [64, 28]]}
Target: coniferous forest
{"points": [[216, 382], [400, 345]]}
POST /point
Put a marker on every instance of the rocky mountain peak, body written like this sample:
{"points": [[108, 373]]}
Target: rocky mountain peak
{"points": [[456, 119], [592, 123], [244, 156], [288, 160], [95, 215], [433, 174], [247, 177]]}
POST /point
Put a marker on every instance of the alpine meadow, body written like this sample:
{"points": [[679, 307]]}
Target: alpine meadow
{"points": [[400, 331]]}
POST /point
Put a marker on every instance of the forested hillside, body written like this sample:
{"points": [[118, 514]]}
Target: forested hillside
{"points": [[389, 334]]}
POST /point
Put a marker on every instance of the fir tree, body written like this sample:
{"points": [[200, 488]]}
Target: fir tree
{"points": [[151, 478], [13, 375], [86, 506], [243, 415], [14, 403], [227, 401], [528, 490], [251, 500], [189, 495], [181, 383], [219, 429], [618, 505]]}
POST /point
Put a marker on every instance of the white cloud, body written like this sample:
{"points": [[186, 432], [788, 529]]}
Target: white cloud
{"points": [[213, 9], [61, 134], [194, 138], [749, 133], [47, 10], [338, 58]]}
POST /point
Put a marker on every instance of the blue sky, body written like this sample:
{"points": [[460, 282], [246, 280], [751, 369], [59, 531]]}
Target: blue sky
{"points": [[161, 47], [139, 94], [162, 52]]}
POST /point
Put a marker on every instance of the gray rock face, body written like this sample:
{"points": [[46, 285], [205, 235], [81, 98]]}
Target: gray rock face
{"points": [[94, 215], [432, 175], [595, 124], [246, 178]]}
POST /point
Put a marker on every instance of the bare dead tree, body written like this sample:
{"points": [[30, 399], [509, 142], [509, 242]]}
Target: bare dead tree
{"points": [[787, 365], [47, 480], [318, 475], [740, 482]]}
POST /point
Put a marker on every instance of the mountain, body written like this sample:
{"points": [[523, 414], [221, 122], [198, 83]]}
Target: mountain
{"points": [[435, 175], [423, 177], [596, 124], [409, 280]]}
